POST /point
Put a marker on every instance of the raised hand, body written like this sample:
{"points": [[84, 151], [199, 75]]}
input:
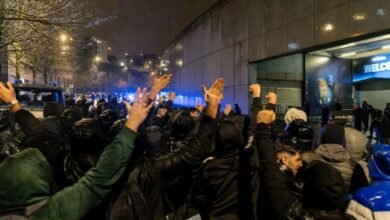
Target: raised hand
{"points": [[7, 93], [199, 107], [138, 112], [271, 97], [215, 93], [266, 116], [213, 96], [159, 83], [227, 110], [255, 89]]}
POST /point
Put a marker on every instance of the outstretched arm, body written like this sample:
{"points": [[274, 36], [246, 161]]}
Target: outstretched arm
{"points": [[76, 201], [281, 199], [199, 146]]}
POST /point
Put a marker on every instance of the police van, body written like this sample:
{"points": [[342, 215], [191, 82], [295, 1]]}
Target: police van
{"points": [[33, 97]]}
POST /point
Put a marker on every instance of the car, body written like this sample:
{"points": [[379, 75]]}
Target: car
{"points": [[33, 97]]}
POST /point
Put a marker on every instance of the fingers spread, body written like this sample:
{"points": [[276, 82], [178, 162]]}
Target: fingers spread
{"points": [[128, 106], [204, 88]]}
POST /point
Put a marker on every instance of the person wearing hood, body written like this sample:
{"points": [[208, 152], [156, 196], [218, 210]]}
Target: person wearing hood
{"points": [[355, 144], [26, 177], [297, 129], [331, 150], [372, 202]]}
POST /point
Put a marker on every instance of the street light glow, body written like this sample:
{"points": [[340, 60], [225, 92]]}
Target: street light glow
{"points": [[122, 64], [98, 59], [63, 37], [328, 27]]}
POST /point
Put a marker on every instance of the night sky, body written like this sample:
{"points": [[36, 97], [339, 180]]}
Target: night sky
{"points": [[147, 26]]}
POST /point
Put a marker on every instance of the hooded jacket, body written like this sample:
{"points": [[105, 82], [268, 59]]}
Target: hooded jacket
{"points": [[356, 143], [373, 202], [336, 156]]}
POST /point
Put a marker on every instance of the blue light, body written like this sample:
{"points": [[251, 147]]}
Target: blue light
{"points": [[378, 58], [375, 67]]}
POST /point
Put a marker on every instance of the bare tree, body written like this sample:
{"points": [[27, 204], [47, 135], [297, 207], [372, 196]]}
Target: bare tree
{"points": [[29, 30]]}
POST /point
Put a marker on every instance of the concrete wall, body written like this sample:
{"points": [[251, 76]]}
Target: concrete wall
{"points": [[248, 30]]}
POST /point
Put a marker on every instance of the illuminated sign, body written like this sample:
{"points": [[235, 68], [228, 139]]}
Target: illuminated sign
{"points": [[377, 67]]}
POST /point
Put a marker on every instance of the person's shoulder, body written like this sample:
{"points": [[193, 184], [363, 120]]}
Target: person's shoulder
{"points": [[376, 196]]}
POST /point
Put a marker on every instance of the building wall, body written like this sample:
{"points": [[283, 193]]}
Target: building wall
{"points": [[223, 41]]}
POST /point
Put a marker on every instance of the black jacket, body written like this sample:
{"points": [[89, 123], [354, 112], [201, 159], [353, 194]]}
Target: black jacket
{"points": [[225, 182], [155, 176], [227, 185]]}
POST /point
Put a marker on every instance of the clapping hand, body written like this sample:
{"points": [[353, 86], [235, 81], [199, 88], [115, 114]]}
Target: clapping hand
{"points": [[213, 96], [227, 110]]}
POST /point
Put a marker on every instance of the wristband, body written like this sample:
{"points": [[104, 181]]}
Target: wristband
{"points": [[13, 103]]}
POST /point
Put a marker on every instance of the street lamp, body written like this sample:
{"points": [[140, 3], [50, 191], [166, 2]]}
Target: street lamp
{"points": [[122, 64]]}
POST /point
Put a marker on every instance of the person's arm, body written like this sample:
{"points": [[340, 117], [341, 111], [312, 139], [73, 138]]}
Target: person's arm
{"points": [[159, 83], [28, 123], [169, 104], [76, 201], [37, 136], [255, 90], [199, 146], [281, 198], [194, 152]]}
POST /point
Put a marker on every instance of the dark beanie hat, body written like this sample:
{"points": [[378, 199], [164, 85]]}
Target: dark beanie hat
{"points": [[324, 187], [332, 134]]}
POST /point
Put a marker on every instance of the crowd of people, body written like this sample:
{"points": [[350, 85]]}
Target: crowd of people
{"points": [[380, 121], [146, 159]]}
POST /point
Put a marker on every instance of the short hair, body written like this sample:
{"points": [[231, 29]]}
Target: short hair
{"points": [[284, 147]]}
